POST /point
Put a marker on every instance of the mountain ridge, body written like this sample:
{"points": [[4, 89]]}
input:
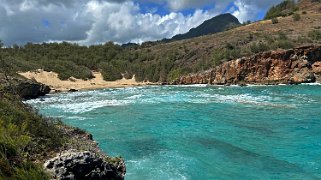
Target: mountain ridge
{"points": [[216, 24]]}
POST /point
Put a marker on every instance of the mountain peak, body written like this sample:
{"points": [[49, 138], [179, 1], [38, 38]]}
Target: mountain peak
{"points": [[214, 25]]}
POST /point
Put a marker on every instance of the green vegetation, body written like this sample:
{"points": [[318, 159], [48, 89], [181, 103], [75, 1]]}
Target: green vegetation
{"points": [[315, 35], [24, 137], [275, 20], [296, 17], [285, 8], [259, 47], [146, 62]]}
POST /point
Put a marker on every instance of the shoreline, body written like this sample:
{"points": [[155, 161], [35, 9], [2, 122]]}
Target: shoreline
{"points": [[72, 84]]}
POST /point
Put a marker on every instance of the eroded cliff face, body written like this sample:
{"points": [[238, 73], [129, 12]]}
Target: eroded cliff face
{"points": [[27, 89], [295, 66]]}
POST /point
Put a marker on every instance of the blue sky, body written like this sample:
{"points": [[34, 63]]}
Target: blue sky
{"points": [[98, 21]]}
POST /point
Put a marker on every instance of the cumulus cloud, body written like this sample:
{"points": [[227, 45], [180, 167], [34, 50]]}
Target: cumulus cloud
{"points": [[124, 23], [98, 21]]}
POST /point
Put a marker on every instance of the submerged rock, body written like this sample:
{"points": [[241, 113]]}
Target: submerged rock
{"points": [[85, 165]]}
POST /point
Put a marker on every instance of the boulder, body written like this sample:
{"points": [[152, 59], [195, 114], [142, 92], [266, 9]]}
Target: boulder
{"points": [[30, 90], [73, 165]]}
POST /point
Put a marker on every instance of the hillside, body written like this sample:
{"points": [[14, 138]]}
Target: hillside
{"points": [[216, 24], [28, 140], [165, 62], [310, 5]]}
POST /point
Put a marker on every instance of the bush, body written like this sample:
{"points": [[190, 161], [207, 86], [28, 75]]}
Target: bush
{"points": [[174, 74], [283, 44], [23, 136], [282, 36], [259, 47], [109, 72], [275, 20], [296, 17], [315, 35]]}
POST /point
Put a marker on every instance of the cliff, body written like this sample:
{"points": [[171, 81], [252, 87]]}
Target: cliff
{"points": [[26, 89], [37, 147], [295, 66]]}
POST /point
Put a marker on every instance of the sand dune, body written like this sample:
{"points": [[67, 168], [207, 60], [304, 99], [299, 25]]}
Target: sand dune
{"points": [[51, 79]]}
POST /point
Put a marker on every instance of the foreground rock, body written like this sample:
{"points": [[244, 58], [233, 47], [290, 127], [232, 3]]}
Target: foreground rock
{"points": [[85, 165], [295, 66]]}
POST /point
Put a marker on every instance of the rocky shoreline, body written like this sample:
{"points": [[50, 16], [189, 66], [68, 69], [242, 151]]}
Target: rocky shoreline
{"points": [[295, 66], [79, 157]]}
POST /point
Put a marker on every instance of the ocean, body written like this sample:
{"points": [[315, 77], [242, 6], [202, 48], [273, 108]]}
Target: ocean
{"points": [[201, 132]]}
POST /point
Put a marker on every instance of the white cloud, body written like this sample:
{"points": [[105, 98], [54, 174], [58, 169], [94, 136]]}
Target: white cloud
{"points": [[123, 23], [245, 11], [98, 21]]}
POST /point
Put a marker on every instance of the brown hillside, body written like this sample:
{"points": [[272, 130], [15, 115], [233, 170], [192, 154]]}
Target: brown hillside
{"points": [[310, 5], [201, 50]]}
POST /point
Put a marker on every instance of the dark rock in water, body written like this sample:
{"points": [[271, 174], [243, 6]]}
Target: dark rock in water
{"points": [[30, 90], [84, 165], [73, 90]]}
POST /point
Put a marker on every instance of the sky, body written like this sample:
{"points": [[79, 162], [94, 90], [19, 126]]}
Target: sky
{"points": [[90, 22]]}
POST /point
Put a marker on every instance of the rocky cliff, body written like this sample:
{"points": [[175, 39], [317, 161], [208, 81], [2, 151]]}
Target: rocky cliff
{"points": [[295, 66], [25, 88]]}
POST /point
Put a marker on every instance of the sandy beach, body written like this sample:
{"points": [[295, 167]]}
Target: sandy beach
{"points": [[51, 79]]}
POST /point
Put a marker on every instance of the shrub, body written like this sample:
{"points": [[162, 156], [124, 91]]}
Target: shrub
{"points": [[259, 47], [282, 35], [23, 136], [109, 72], [315, 35], [283, 44], [296, 17], [174, 74], [275, 20]]}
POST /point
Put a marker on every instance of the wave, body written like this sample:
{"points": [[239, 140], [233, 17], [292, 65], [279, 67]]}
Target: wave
{"points": [[82, 107], [311, 84], [86, 101]]}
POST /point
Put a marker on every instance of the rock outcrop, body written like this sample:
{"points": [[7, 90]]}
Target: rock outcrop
{"points": [[25, 88], [295, 66], [84, 165], [30, 90]]}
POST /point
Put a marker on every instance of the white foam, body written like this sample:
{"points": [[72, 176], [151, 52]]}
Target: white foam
{"points": [[82, 107], [189, 85], [311, 84]]}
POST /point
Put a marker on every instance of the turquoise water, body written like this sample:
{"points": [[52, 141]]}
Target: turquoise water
{"points": [[201, 132]]}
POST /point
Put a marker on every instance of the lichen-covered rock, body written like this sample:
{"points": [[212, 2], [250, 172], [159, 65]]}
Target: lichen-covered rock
{"points": [[84, 165], [299, 65]]}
